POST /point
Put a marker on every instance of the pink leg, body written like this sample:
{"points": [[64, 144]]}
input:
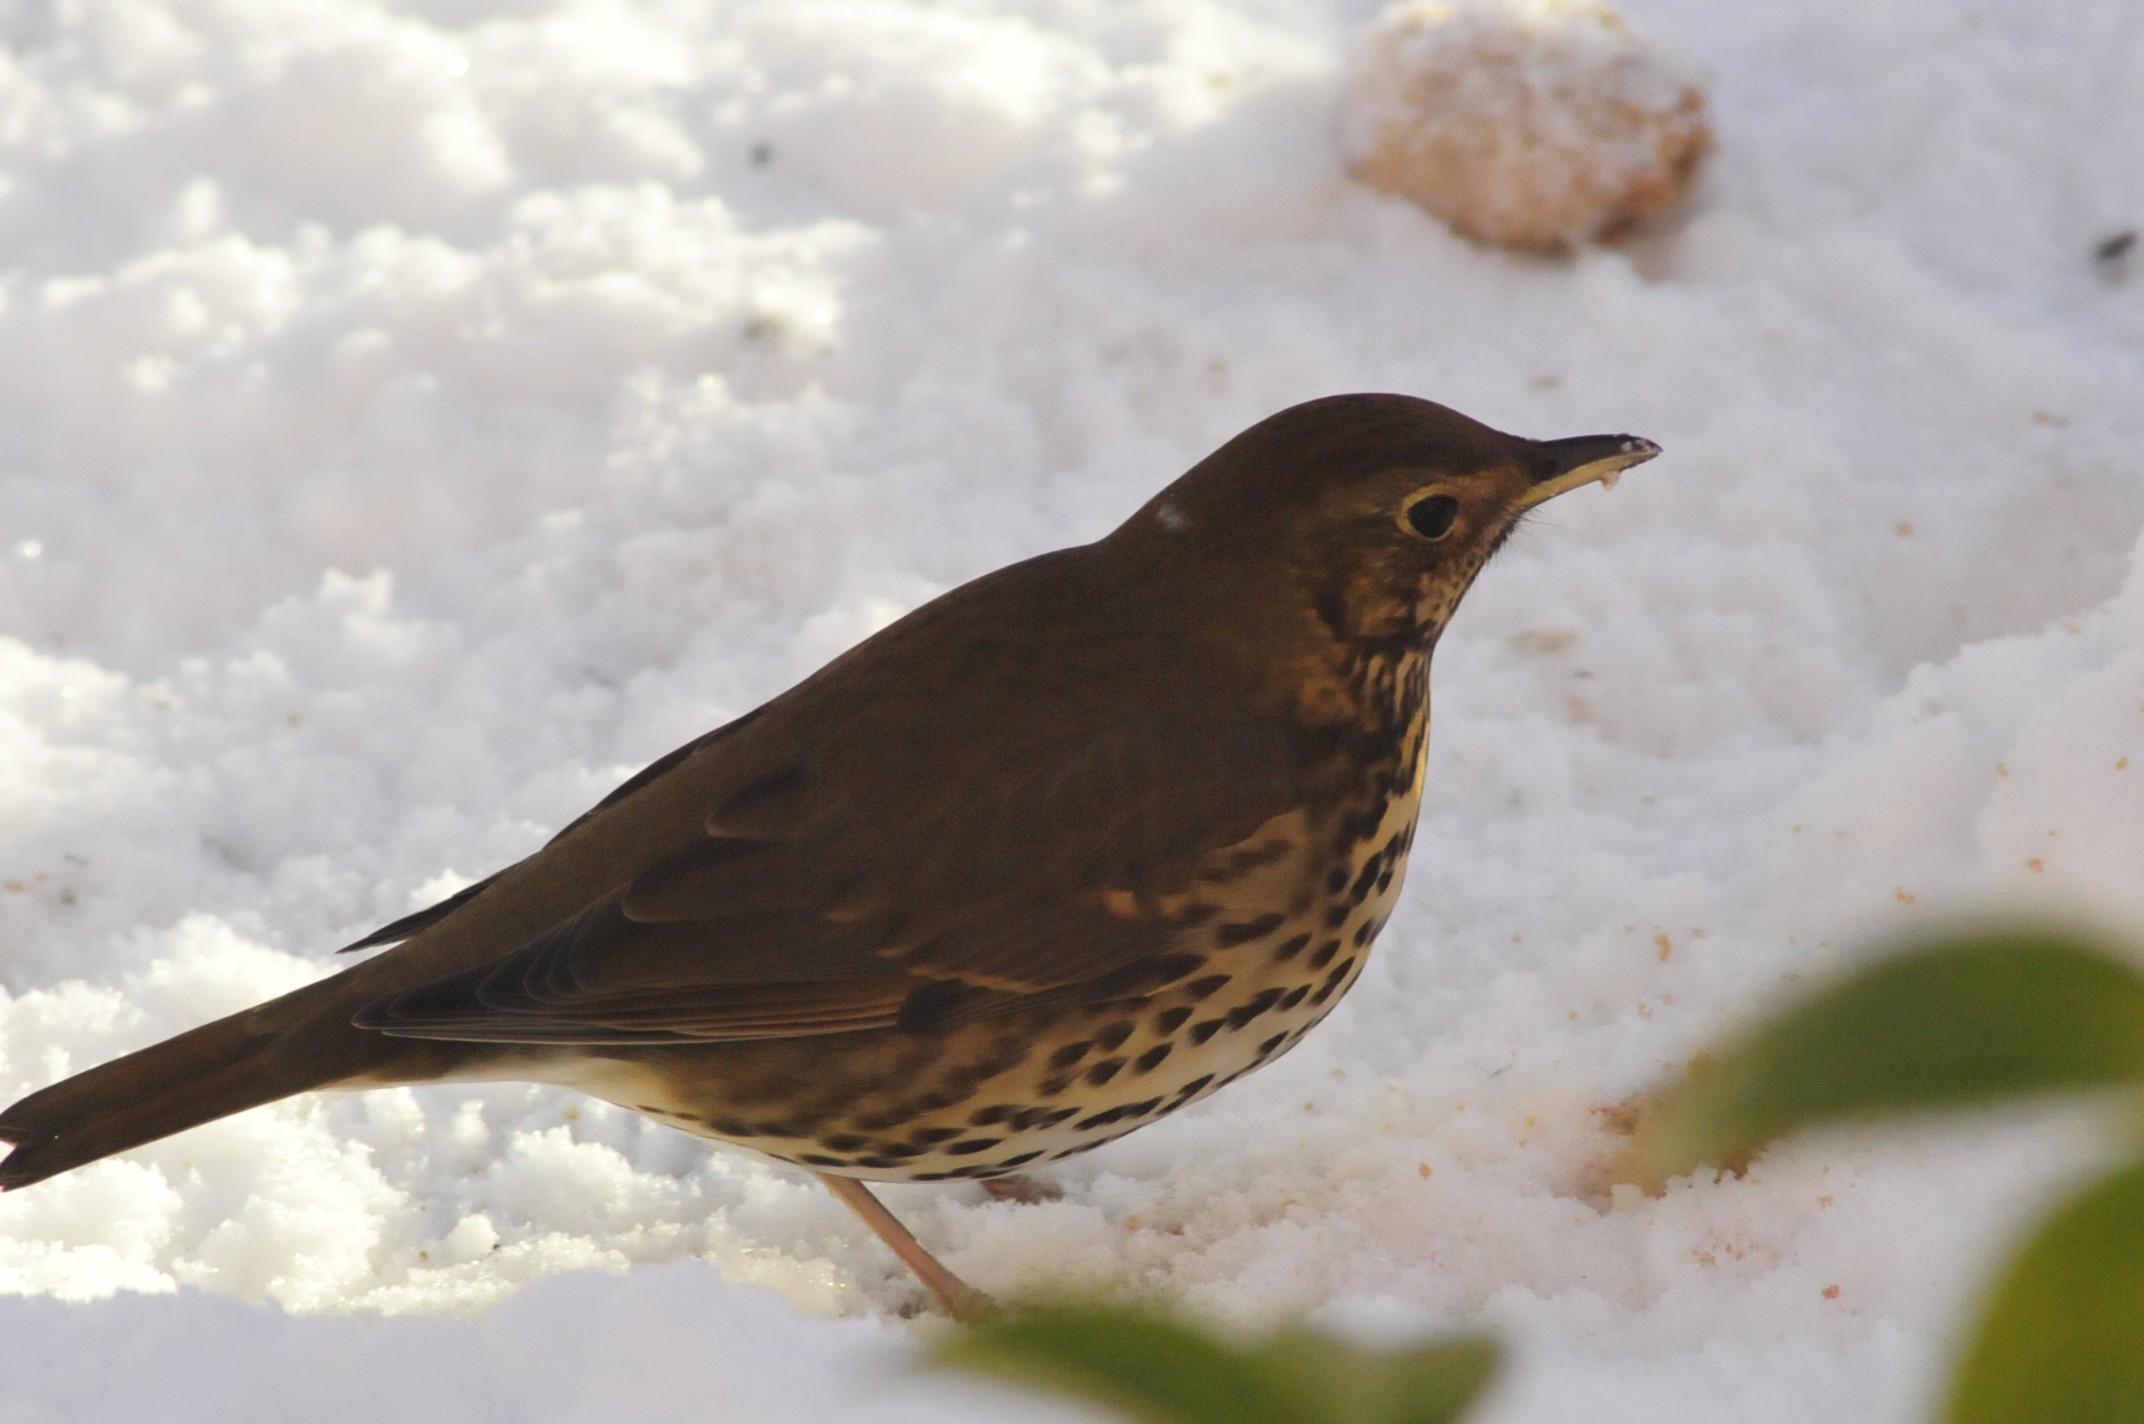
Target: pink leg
{"points": [[961, 1301]]}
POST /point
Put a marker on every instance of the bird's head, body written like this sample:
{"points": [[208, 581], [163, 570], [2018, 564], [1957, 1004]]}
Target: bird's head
{"points": [[1374, 512]]}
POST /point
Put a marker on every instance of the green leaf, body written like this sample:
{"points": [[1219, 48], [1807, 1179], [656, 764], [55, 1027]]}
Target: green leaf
{"points": [[1155, 1368], [1136, 1359], [2062, 1340], [1962, 1020], [1426, 1384]]}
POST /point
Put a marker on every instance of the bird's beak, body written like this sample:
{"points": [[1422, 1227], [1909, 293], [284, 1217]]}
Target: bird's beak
{"points": [[1582, 459]]}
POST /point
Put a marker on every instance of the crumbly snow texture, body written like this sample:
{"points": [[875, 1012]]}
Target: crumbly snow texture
{"points": [[1531, 124], [418, 416]]}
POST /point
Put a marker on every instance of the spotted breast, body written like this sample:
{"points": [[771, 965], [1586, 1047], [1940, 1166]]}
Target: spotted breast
{"points": [[1274, 930]]}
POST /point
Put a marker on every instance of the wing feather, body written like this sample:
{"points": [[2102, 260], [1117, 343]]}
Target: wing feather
{"points": [[867, 862]]}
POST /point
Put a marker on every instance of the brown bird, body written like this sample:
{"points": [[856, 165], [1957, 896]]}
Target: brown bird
{"points": [[1051, 857]]}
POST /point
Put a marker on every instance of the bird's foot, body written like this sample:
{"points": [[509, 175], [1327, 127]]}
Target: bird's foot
{"points": [[1021, 1188]]}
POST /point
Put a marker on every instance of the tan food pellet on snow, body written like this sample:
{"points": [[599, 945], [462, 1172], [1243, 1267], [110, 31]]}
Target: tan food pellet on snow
{"points": [[1532, 125]]}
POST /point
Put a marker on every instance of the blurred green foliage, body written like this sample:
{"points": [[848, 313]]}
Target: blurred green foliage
{"points": [[1154, 1367], [1968, 1019]]}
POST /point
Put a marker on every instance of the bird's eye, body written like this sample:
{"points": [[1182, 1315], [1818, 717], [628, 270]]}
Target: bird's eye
{"points": [[1432, 518]]}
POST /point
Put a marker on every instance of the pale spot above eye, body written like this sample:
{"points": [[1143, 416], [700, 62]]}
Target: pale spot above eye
{"points": [[1172, 519]]}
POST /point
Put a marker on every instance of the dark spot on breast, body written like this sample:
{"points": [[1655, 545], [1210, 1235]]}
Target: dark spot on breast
{"points": [[1336, 881], [731, 1127], [1265, 1050], [1244, 1013], [1325, 954], [1103, 1071], [974, 1145], [1117, 1114], [1018, 1159], [1148, 1061], [1112, 1037], [846, 1142], [1367, 931], [1053, 1086], [894, 1116], [1340, 970], [1295, 996], [1359, 827], [996, 1112], [1169, 1021], [877, 1162], [1205, 1029], [819, 1160], [938, 1134], [1229, 936], [928, 1176], [1290, 948], [1057, 1117], [1360, 891], [1193, 1088], [1070, 1054], [1336, 916], [1199, 989], [1384, 882]]}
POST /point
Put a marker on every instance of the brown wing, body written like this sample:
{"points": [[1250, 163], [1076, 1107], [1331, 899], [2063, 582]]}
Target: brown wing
{"points": [[812, 926], [412, 924], [979, 831]]}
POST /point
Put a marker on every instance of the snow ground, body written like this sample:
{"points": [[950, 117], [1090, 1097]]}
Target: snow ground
{"points": [[418, 416]]}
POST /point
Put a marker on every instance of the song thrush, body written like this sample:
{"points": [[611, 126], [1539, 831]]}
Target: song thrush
{"points": [[1049, 858]]}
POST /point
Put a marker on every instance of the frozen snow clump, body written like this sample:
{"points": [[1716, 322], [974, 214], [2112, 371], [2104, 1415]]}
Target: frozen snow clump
{"points": [[1534, 125]]}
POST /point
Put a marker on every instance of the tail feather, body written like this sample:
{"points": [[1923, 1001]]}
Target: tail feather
{"points": [[215, 1070]]}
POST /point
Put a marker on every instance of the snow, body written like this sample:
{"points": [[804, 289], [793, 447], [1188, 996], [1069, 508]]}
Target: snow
{"points": [[1532, 126], [417, 417]]}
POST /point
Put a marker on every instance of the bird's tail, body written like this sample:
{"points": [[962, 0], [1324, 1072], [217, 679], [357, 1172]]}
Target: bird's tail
{"points": [[210, 1072]]}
